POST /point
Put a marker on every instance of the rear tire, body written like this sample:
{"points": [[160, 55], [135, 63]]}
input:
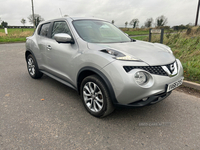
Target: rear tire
{"points": [[32, 67], [95, 96]]}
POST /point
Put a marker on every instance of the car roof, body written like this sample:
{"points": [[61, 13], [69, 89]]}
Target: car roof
{"points": [[85, 18], [72, 18]]}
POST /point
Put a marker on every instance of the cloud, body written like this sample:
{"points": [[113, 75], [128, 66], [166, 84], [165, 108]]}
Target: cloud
{"points": [[177, 11]]}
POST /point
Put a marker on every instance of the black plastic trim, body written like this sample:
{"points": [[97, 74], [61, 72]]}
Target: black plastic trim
{"points": [[105, 79], [31, 54], [158, 70], [150, 101], [59, 79]]}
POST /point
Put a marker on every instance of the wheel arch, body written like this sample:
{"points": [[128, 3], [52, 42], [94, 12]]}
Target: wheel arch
{"points": [[28, 52], [37, 74], [87, 71]]}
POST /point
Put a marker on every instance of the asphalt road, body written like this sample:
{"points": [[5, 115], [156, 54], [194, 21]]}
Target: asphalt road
{"points": [[61, 122]]}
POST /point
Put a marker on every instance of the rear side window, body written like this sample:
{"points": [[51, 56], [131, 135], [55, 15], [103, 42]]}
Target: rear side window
{"points": [[44, 29]]}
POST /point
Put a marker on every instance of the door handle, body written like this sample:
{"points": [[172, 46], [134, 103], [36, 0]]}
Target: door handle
{"points": [[49, 47]]}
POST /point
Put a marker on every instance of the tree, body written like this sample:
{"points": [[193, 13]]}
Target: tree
{"points": [[161, 21], [142, 27], [37, 19], [134, 23], [126, 23], [181, 27], [4, 24], [0, 24], [113, 21], [148, 22], [23, 21], [189, 25]]}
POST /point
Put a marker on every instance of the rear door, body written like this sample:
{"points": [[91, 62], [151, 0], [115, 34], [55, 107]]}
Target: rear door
{"points": [[42, 37]]}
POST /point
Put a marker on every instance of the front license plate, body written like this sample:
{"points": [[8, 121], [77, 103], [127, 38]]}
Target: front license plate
{"points": [[174, 85]]}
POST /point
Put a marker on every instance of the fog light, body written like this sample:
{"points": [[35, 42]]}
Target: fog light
{"points": [[141, 77], [144, 99]]}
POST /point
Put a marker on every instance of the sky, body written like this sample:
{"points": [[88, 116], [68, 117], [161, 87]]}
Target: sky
{"points": [[177, 11]]}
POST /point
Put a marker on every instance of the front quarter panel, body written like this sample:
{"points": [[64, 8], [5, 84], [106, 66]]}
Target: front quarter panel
{"points": [[92, 59]]}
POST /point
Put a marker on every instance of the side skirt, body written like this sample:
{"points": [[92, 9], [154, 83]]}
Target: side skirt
{"points": [[59, 80]]}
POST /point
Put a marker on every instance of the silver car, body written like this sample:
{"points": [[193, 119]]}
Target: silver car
{"points": [[105, 66]]}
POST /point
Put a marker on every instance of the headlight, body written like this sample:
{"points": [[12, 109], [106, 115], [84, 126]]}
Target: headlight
{"points": [[119, 56], [127, 57], [113, 52], [141, 77]]}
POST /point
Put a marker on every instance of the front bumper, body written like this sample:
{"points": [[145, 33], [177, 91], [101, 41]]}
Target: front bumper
{"points": [[129, 93], [150, 101]]}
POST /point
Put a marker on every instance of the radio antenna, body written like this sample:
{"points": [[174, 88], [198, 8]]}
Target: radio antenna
{"points": [[60, 12]]}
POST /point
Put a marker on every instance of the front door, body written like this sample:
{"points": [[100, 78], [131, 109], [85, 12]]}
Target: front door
{"points": [[60, 55]]}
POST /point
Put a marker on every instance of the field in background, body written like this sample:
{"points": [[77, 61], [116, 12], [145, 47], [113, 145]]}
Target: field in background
{"points": [[138, 31], [15, 35], [142, 38], [131, 31]]}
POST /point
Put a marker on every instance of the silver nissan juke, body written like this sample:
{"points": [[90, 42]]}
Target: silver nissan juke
{"points": [[105, 66]]}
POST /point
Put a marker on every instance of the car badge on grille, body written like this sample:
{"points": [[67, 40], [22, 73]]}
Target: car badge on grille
{"points": [[172, 68]]}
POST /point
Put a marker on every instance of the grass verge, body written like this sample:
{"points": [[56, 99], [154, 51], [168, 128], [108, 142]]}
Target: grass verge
{"points": [[187, 49], [15, 35], [142, 38], [132, 32]]}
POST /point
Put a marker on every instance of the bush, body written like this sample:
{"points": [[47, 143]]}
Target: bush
{"points": [[189, 30]]}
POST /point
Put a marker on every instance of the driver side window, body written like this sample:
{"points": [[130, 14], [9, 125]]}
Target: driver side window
{"points": [[60, 27]]}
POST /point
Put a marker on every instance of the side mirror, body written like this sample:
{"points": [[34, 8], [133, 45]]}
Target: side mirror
{"points": [[63, 38], [126, 34]]}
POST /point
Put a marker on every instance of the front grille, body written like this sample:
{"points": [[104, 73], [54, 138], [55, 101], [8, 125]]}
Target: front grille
{"points": [[158, 70]]}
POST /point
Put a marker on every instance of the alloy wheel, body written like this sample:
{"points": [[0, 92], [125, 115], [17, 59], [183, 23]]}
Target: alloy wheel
{"points": [[31, 66], [93, 97]]}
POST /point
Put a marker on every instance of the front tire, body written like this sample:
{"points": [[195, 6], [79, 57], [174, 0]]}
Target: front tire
{"points": [[32, 67], [95, 96]]}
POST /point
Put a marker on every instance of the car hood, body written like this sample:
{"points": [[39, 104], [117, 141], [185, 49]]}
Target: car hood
{"points": [[151, 53]]}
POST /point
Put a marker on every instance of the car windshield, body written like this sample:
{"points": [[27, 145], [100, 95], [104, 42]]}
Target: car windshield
{"points": [[95, 31]]}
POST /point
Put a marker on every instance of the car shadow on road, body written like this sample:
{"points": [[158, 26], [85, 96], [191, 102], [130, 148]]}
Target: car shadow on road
{"points": [[71, 100]]}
